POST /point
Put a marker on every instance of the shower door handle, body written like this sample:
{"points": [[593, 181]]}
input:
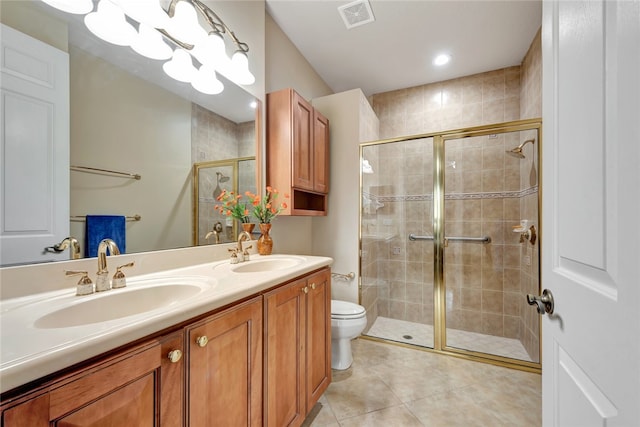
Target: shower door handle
{"points": [[544, 302]]}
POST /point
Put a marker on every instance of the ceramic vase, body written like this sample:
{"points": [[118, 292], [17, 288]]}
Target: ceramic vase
{"points": [[248, 227], [265, 242]]}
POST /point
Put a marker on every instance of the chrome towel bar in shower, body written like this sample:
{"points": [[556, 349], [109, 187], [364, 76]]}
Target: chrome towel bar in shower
{"points": [[484, 239]]}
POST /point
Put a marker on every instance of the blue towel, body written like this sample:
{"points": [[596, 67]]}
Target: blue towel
{"points": [[104, 227]]}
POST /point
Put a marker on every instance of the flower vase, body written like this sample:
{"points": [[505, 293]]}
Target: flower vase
{"points": [[265, 242], [248, 227]]}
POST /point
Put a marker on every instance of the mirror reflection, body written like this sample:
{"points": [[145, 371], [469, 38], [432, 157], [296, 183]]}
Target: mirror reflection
{"points": [[124, 119], [210, 180]]}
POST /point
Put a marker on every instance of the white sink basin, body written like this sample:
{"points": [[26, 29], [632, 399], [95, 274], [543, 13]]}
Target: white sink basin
{"points": [[118, 303], [263, 265]]}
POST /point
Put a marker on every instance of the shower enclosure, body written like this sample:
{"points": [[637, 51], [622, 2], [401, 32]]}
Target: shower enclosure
{"points": [[210, 179], [449, 238]]}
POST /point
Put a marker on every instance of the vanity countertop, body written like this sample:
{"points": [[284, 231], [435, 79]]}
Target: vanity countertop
{"points": [[48, 331]]}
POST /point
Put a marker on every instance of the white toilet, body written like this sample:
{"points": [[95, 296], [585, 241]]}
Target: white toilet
{"points": [[348, 320]]}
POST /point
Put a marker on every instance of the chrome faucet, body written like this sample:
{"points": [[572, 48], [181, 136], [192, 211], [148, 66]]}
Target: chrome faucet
{"points": [[102, 281]]}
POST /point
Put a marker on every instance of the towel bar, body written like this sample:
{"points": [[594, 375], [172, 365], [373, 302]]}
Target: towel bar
{"points": [[78, 218], [97, 170], [484, 239]]}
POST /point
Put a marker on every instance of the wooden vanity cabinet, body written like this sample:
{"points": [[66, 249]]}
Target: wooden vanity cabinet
{"points": [[225, 368], [297, 348], [297, 152], [208, 372]]}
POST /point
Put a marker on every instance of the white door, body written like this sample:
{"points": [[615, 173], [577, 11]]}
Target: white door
{"points": [[34, 149], [591, 210]]}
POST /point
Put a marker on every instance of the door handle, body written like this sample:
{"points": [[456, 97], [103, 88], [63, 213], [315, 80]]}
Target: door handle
{"points": [[544, 302]]}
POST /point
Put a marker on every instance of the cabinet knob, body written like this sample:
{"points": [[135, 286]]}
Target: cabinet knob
{"points": [[305, 289], [313, 286], [174, 355], [202, 341]]}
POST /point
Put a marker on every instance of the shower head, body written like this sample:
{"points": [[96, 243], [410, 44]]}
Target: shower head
{"points": [[517, 151], [221, 177]]}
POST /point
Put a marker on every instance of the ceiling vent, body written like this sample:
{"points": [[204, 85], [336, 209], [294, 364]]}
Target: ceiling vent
{"points": [[356, 13]]}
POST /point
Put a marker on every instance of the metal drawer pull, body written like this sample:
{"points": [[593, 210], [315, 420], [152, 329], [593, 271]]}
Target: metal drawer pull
{"points": [[305, 289], [313, 286]]}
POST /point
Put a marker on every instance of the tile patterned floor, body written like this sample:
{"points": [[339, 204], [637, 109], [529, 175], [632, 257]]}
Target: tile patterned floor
{"points": [[396, 330], [394, 386]]}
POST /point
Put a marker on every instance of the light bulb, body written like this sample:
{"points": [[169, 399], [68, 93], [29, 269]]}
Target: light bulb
{"points": [[110, 25], [211, 50], [240, 69], [148, 12], [149, 43], [184, 24], [180, 67], [206, 81], [79, 7]]}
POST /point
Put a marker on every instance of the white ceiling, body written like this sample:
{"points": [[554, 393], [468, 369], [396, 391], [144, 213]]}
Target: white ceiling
{"points": [[397, 49]]}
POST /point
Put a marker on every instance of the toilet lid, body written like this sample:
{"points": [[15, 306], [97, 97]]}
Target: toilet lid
{"points": [[345, 309]]}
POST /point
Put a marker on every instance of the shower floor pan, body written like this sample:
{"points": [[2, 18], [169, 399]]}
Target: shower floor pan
{"points": [[422, 335]]}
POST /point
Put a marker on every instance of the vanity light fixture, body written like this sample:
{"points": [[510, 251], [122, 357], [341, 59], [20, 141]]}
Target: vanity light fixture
{"points": [[441, 59], [188, 30]]}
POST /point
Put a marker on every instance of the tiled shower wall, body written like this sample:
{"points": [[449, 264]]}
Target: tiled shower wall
{"points": [[484, 282], [530, 107], [215, 138]]}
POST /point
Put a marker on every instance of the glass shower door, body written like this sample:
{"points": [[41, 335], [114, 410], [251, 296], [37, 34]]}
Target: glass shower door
{"points": [[489, 266], [397, 273]]}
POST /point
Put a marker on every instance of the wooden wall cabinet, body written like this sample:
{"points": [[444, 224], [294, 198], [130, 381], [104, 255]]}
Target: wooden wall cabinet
{"points": [[208, 372], [297, 348], [297, 156]]}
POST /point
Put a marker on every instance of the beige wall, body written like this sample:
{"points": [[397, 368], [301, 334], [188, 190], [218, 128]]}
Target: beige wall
{"points": [[25, 17], [120, 122], [351, 120], [286, 67]]}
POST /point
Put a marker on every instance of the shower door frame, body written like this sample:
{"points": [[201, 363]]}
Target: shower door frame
{"points": [[439, 285]]}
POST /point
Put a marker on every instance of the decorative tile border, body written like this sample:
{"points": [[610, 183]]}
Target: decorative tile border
{"points": [[454, 196]]}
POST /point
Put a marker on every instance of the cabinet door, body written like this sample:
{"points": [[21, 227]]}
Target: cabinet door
{"points": [[131, 405], [225, 368], [320, 153], [302, 115], [318, 365], [121, 391], [285, 314]]}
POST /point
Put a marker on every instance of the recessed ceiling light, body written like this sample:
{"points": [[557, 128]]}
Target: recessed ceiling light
{"points": [[441, 59]]}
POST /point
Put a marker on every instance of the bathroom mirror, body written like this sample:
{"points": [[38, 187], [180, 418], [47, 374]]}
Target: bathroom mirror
{"points": [[127, 116]]}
